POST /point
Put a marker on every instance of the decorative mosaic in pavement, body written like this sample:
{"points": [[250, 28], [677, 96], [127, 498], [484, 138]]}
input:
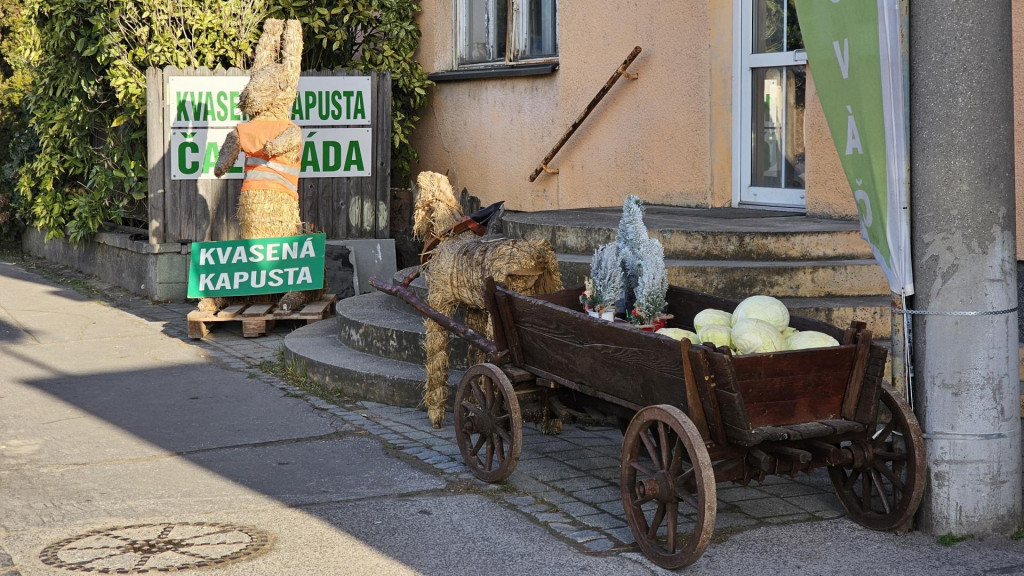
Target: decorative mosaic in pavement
{"points": [[155, 547]]}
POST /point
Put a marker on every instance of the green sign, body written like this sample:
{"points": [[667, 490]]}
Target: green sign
{"points": [[256, 266], [853, 48]]}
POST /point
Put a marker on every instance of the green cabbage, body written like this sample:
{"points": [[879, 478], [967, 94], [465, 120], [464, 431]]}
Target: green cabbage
{"points": [[810, 339], [710, 316], [754, 336], [765, 308], [679, 334], [717, 334]]}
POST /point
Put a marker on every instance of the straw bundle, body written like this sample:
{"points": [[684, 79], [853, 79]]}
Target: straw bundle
{"points": [[436, 208], [456, 276], [267, 214]]}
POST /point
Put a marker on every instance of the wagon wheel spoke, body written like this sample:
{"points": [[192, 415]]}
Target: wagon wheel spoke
{"points": [[489, 459], [885, 431], [683, 483], [641, 468], [474, 409], [865, 491], [851, 480], [478, 393], [503, 435], [663, 437], [652, 530], [645, 437], [890, 475], [500, 448], [673, 524], [876, 479], [479, 444], [677, 458]]}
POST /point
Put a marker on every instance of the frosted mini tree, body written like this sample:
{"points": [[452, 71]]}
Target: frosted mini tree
{"points": [[630, 241], [606, 283], [652, 285]]}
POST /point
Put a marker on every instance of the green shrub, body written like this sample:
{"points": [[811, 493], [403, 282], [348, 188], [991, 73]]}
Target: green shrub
{"points": [[86, 101], [368, 35]]}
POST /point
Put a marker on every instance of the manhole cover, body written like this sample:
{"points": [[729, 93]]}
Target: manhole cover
{"points": [[155, 547]]}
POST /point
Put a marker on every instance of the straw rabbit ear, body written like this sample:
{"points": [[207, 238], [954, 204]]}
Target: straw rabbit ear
{"points": [[291, 46], [269, 47]]}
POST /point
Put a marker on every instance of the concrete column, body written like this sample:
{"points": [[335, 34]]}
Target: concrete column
{"points": [[965, 367]]}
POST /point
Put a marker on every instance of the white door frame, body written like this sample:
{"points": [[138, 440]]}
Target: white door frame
{"points": [[743, 194]]}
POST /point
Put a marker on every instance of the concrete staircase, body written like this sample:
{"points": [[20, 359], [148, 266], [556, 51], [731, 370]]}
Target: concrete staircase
{"points": [[820, 268]]}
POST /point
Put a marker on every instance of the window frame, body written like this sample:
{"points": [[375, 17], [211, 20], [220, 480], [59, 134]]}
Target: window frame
{"points": [[515, 37], [744, 63]]}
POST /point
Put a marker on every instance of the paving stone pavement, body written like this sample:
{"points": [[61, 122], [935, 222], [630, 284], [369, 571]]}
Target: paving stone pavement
{"points": [[567, 482]]}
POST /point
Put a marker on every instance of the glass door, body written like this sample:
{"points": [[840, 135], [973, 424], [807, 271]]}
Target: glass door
{"points": [[770, 130]]}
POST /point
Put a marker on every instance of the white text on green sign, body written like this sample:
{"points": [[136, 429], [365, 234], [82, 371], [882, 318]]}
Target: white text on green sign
{"points": [[256, 266]]}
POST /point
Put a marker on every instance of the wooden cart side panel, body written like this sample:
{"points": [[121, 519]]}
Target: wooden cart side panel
{"points": [[699, 370], [636, 367], [795, 387], [568, 298], [874, 376], [856, 381], [735, 420]]}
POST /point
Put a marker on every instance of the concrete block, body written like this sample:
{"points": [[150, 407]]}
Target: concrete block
{"points": [[374, 258]]}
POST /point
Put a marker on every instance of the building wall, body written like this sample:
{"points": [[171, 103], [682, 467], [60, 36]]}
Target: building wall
{"points": [[666, 137]]}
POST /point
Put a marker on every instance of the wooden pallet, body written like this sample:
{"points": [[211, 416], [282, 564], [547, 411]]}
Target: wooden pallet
{"points": [[256, 319]]}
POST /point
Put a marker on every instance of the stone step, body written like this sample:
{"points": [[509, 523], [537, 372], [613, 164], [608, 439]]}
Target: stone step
{"points": [[317, 351], [739, 279], [700, 234], [383, 326]]}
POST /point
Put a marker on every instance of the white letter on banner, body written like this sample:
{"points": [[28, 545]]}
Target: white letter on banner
{"points": [[240, 277], [843, 56], [852, 136], [223, 282], [239, 255], [858, 196], [206, 281], [307, 249], [305, 277], [205, 257]]}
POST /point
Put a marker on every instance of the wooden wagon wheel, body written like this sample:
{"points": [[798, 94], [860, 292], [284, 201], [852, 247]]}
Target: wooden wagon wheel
{"points": [[488, 423], [882, 488], [658, 477]]}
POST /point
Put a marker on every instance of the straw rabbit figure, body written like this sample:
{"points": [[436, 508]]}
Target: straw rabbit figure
{"points": [[268, 205], [455, 277]]}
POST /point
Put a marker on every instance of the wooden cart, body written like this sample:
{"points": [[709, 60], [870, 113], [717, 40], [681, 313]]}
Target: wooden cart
{"points": [[697, 415]]}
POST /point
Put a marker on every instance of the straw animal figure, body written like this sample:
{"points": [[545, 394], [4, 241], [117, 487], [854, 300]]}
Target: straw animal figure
{"points": [[456, 273], [268, 205]]}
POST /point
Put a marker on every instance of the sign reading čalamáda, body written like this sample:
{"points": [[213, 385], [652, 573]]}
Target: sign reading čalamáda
{"points": [[256, 266], [326, 153]]}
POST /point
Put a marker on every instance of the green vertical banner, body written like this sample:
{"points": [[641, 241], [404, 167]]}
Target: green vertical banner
{"points": [[854, 53]]}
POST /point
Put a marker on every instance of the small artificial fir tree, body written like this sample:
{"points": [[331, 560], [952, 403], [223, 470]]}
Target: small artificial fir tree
{"points": [[631, 239], [606, 283], [652, 285]]}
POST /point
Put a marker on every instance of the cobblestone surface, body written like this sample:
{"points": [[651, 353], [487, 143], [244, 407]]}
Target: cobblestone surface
{"points": [[568, 482]]}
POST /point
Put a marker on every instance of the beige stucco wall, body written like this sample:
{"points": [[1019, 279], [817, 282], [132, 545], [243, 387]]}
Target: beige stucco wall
{"points": [[666, 137], [648, 137]]}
